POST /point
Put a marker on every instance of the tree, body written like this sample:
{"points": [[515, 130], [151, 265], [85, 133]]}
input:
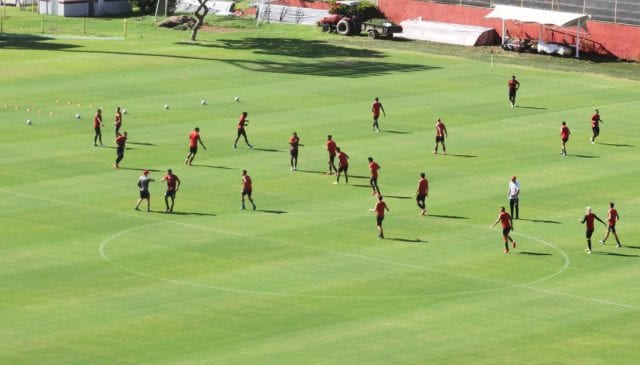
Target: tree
{"points": [[201, 12]]}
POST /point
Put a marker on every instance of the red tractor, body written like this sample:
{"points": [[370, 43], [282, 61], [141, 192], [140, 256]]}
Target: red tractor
{"points": [[341, 24]]}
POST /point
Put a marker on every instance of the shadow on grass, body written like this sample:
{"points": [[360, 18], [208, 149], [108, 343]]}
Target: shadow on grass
{"points": [[615, 254], [138, 169], [531, 107], [538, 220], [583, 156], [460, 155], [126, 148], [406, 240], [398, 197], [215, 167], [20, 41], [634, 247], [142, 143], [447, 216], [361, 185], [616, 144], [267, 149], [190, 213], [534, 253], [313, 172], [396, 132], [272, 211]]}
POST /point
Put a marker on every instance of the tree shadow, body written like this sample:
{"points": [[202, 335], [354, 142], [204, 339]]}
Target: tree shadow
{"points": [[290, 47], [538, 220], [616, 144], [614, 254], [531, 107], [142, 143], [447, 216], [534, 253], [271, 211], [190, 213], [20, 41], [214, 167], [460, 155], [406, 240], [583, 156], [396, 132], [398, 197]]}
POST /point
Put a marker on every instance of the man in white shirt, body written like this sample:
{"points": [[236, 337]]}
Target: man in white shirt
{"points": [[514, 194]]}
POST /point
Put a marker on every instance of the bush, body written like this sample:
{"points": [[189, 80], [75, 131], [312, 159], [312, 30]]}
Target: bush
{"points": [[364, 10], [149, 6]]}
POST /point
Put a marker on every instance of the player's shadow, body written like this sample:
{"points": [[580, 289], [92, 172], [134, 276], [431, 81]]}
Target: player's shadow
{"points": [[361, 185], [398, 197], [531, 107], [538, 220], [267, 149], [406, 240], [461, 155], [142, 143], [583, 156], [534, 253], [214, 167], [272, 211], [396, 132], [138, 169], [313, 172], [126, 148], [447, 216], [189, 213], [615, 254], [359, 177], [616, 144], [634, 247]]}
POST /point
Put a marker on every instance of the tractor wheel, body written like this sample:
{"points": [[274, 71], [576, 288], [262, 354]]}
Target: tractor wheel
{"points": [[372, 34], [343, 27], [326, 28]]}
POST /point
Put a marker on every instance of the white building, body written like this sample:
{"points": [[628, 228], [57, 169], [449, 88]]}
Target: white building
{"points": [[84, 7]]}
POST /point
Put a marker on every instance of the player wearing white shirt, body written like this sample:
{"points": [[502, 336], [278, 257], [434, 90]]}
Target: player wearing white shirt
{"points": [[514, 197]]}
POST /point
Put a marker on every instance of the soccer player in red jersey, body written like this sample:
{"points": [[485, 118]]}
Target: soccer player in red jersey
{"points": [[247, 188], [375, 109], [595, 126], [379, 209], [612, 218], [373, 180], [422, 192], [294, 143], [441, 133], [118, 121], [121, 140], [173, 183], [564, 136], [343, 166], [242, 123], [514, 85], [330, 146], [507, 226], [590, 218], [97, 123], [194, 139]]}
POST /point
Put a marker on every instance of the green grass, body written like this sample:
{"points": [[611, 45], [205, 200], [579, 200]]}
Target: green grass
{"points": [[88, 280]]}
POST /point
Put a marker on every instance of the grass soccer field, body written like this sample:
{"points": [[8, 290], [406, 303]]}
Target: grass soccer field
{"points": [[303, 279]]}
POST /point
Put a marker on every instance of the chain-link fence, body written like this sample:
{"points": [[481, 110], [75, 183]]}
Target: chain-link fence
{"points": [[615, 11]]}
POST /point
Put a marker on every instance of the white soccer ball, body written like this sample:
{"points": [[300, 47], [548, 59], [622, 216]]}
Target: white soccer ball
{"points": [[124, 111], [237, 98], [203, 102], [77, 116], [166, 106], [28, 121]]}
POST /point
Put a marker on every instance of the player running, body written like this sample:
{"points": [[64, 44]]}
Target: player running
{"points": [[247, 188], [589, 218], [379, 209], [242, 123], [118, 121], [173, 183], [441, 133], [514, 85], [121, 140], [97, 123], [422, 192], [143, 186], [375, 109], [330, 146], [294, 143], [343, 166], [373, 180], [595, 126], [514, 197], [612, 218], [507, 226], [564, 136], [194, 139]]}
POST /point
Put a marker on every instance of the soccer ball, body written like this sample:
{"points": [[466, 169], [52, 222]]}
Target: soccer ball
{"points": [[237, 98], [203, 102], [124, 111], [166, 106], [28, 121], [77, 116]]}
